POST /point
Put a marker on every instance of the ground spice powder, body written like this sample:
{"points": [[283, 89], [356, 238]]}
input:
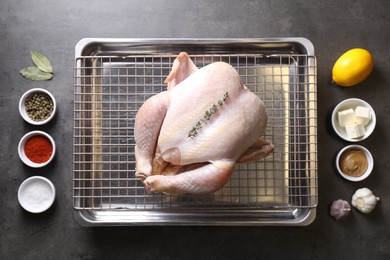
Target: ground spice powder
{"points": [[38, 149]]}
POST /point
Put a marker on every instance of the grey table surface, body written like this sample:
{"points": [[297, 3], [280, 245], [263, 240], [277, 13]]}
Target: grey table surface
{"points": [[54, 28]]}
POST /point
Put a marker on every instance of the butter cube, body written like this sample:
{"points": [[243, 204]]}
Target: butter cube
{"points": [[355, 130], [346, 117], [363, 115]]}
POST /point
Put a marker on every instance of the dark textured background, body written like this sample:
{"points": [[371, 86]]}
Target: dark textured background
{"points": [[54, 28]]}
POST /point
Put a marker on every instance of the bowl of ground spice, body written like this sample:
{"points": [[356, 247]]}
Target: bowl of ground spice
{"points": [[36, 149], [354, 162], [37, 106]]}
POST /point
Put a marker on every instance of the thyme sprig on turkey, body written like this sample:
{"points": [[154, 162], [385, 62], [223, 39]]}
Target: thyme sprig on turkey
{"points": [[207, 115]]}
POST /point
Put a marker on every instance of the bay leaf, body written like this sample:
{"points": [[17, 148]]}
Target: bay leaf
{"points": [[34, 73], [41, 62]]}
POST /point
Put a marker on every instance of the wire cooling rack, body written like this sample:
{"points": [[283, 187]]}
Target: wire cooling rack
{"points": [[109, 90]]}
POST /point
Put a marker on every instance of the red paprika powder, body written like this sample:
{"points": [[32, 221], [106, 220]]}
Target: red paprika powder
{"points": [[38, 149]]}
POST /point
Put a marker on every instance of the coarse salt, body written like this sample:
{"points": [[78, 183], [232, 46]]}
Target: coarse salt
{"points": [[36, 195]]}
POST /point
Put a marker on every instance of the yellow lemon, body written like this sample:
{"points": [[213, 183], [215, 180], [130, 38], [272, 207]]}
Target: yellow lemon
{"points": [[352, 67]]}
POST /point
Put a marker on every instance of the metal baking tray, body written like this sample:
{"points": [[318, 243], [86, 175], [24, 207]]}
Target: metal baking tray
{"points": [[112, 79]]}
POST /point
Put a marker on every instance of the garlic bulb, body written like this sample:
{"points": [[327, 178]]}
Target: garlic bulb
{"points": [[364, 200], [340, 209]]}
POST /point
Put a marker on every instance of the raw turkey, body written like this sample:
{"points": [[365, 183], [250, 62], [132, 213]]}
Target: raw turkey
{"points": [[189, 137]]}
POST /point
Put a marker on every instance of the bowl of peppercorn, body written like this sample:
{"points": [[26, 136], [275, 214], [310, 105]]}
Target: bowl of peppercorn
{"points": [[37, 106], [36, 149]]}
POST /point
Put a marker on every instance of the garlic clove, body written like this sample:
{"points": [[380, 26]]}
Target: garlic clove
{"points": [[364, 200], [340, 209]]}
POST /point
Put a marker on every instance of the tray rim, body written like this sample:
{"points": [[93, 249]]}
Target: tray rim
{"points": [[81, 44], [82, 217]]}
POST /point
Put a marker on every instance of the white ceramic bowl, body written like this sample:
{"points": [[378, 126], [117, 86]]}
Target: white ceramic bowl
{"points": [[369, 157], [22, 107], [36, 194], [352, 103], [22, 153]]}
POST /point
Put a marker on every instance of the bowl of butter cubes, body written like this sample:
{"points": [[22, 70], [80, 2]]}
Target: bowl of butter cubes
{"points": [[353, 119]]}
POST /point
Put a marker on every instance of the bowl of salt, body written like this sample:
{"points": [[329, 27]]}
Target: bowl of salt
{"points": [[36, 194]]}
